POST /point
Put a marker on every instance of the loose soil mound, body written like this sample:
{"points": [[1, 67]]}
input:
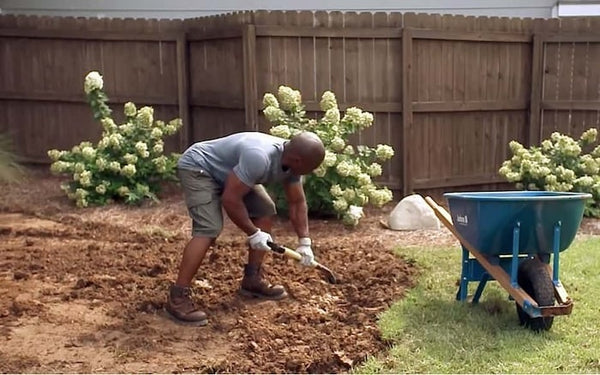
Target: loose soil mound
{"points": [[84, 290]]}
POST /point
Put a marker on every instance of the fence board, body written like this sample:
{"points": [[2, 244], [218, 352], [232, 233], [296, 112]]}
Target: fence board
{"points": [[474, 80]]}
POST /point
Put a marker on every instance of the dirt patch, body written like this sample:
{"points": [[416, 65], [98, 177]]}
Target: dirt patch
{"points": [[84, 290]]}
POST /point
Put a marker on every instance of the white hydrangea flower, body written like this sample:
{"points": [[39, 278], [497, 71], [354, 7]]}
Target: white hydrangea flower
{"points": [[584, 181], [340, 205], [101, 164], [353, 215], [374, 170], [129, 170], [59, 167], [93, 81], [337, 144], [158, 148], [103, 143], [101, 189], [114, 166], [328, 101], [349, 194], [380, 197], [384, 152], [589, 136], [353, 115], [320, 171], [123, 191], [368, 189], [349, 150], [79, 167], [129, 109], [332, 116], [288, 98], [281, 131], [145, 116], [273, 114], [312, 123], [88, 152], [364, 179], [156, 133], [85, 178], [140, 147], [127, 129], [160, 163], [109, 125], [170, 129], [330, 159], [546, 145], [336, 190], [115, 141], [130, 158], [76, 150], [366, 120], [269, 100], [55, 154], [362, 199], [344, 168]]}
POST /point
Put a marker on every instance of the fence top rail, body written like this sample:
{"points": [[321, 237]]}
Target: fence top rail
{"points": [[89, 35], [472, 36], [332, 32]]}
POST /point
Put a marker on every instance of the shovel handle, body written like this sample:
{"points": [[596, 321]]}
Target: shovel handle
{"points": [[284, 251]]}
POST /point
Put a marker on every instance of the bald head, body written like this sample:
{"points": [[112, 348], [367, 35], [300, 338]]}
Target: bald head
{"points": [[304, 152]]}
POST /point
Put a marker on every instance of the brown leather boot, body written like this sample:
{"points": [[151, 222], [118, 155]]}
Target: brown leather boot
{"points": [[182, 308], [253, 285]]}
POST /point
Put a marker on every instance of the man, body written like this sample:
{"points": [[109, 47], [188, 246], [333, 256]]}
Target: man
{"points": [[229, 172]]}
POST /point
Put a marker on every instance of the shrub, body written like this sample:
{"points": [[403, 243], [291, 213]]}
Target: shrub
{"points": [[559, 164], [127, 163], [10, 170], [344, 183]]}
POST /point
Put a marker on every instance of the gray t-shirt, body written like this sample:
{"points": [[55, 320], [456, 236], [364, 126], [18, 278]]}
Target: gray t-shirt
{"points": [[254, 157]]}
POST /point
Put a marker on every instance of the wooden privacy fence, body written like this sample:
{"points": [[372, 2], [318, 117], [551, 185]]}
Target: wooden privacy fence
{"points": [[447, 92]]}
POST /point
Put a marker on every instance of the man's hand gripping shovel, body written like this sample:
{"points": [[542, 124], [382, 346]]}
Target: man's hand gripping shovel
{"points": [[297, 257]]}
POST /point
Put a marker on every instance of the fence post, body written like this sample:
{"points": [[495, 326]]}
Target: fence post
{"points": [[537, 78], [250, 88], [186, 134], [407, 110]]}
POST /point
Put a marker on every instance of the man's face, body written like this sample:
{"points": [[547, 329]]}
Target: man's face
{"points": [[299, 167]]}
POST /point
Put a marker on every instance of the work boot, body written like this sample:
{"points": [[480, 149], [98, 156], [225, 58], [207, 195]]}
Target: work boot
{"points": [[253, 285], [182, 308]]}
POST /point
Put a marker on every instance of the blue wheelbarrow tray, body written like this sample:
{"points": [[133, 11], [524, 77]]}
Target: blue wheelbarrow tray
{"points": [[501, 229]]}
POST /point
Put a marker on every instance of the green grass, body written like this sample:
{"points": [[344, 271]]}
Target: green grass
{"points": [[431, 332]]}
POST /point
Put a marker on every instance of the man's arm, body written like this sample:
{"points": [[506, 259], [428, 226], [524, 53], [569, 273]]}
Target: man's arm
{"points": [[298, 209], [233, 203]]}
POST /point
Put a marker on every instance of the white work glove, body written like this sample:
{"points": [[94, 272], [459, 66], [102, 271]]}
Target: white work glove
{"points": [[304, 249], [258, 241]]}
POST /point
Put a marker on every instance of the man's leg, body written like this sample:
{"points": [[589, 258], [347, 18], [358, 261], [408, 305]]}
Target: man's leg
{"points": [[262, 210], [204, 207], [193, 254]]}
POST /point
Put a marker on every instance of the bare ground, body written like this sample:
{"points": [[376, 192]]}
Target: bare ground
{"points": [[83, 290]]}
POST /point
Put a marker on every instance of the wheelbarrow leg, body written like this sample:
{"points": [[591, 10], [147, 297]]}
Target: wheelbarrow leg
{"points": [[484, 279], [463, 289], [514, 268]]}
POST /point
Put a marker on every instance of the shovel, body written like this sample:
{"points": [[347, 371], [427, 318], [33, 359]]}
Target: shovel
{"points": [[296, 256]]}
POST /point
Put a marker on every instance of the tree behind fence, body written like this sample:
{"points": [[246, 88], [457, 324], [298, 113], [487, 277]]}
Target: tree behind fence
{"points": [[448, 92]]}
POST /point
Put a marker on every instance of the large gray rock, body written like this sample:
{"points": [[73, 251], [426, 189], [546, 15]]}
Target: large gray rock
{"points": [[413, 213]]}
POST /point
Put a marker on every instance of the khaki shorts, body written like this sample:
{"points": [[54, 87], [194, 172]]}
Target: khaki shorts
{"points": [[203, 201]]}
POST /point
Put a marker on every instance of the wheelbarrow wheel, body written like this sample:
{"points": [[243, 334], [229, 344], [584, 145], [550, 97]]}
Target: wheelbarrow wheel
{"points": [[533, 277]]}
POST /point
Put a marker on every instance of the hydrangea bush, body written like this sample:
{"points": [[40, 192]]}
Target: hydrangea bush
{"points": [[10, 170], [344, 183], [559, 164], [126, 164]]}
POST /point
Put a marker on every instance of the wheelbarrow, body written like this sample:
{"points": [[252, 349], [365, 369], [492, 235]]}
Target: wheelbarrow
{"points": [[510, 237]]}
